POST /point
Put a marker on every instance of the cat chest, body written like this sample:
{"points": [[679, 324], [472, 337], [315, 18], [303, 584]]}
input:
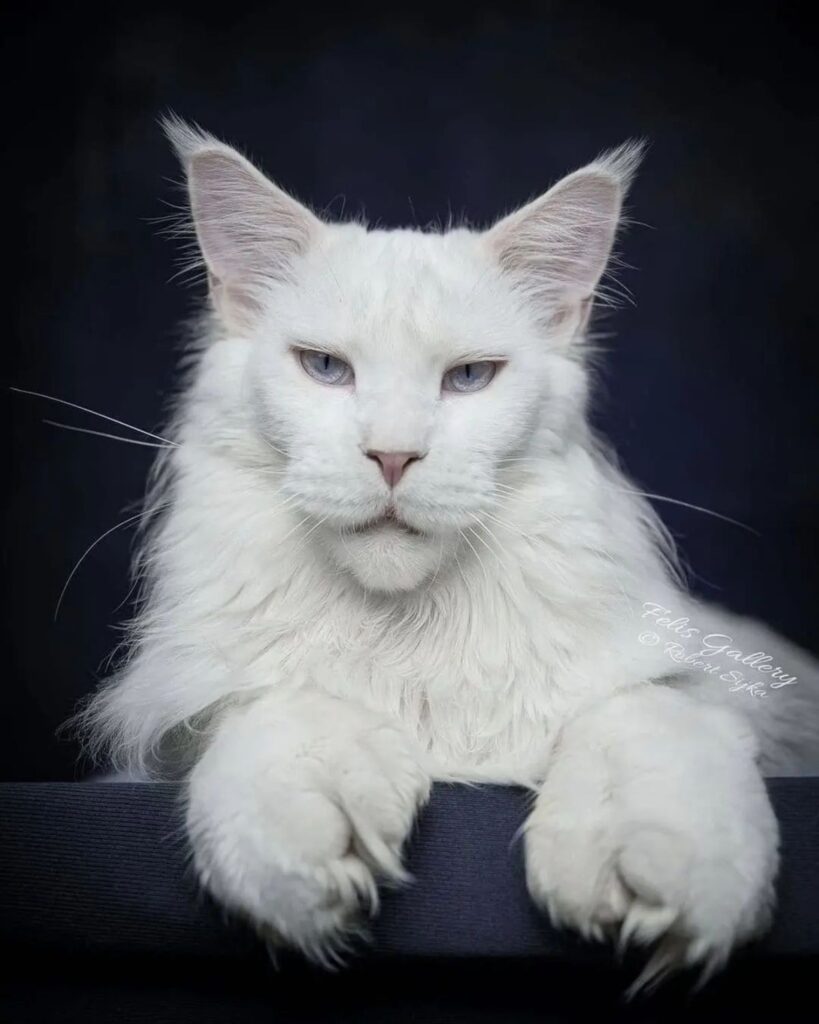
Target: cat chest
{"points": [[475, 700]]}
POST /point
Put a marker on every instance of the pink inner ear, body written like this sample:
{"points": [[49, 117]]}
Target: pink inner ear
{"points": [[558, 245], [556, 248], [249, 230]]}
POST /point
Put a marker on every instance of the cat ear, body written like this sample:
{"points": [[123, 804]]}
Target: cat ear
{"points": [[249, 231], [556, 248]]}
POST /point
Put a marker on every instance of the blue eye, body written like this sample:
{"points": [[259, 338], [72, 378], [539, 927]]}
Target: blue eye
{"points": [[469, 377], [323, 367]]}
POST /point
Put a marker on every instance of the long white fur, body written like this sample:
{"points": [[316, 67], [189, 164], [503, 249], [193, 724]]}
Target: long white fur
{"points": [[311, 678]]}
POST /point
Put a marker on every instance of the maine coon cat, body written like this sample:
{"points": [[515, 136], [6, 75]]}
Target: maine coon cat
{"points": [[387, 549]]}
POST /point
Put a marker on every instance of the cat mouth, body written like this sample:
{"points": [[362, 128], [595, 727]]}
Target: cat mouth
{"points": [[388, 520]]}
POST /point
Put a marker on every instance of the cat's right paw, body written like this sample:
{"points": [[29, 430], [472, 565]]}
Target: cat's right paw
{"points": [[299, 849]]}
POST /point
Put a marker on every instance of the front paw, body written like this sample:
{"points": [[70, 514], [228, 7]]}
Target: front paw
{"points": [[299, 846], [694, 878]]}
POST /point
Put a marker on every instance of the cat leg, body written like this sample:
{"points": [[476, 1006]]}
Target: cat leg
{"points": [[296, 810], [653, 823]]}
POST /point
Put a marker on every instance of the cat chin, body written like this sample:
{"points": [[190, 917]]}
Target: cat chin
{"points": [[387, 560]]}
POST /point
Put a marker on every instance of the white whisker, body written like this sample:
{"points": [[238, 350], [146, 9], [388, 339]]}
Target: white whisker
{"points": [[478, 537], [113, 437], [460, 568], [315, 526], [93, 412], [272, 447], [90, 548], [686, 504], [505, 525], [439, 563], [474, 551], [290, 533], [522, 458]]}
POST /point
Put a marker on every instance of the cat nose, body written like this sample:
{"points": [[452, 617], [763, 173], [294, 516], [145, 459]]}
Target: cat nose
{"points": [[393, 464]]}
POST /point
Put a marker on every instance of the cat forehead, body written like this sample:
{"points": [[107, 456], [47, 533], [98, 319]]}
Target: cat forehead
{"points": [[384, 289], [402, 257]]}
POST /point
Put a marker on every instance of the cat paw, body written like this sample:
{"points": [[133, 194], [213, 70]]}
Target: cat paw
{"points": [[651, 886], [299, 847], [690, 882]]}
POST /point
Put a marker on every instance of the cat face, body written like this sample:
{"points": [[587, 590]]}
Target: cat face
{"points": [[352, 372], [401, 377]]}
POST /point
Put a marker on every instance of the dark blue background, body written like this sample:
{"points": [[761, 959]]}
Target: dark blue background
{"points": [[708, 390]]}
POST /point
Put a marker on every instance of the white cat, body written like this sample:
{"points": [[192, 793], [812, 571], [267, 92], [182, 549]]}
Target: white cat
{"points": [[387, 550]]}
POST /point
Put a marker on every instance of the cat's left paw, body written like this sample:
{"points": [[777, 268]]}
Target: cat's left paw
{"points": [[651, 859]]}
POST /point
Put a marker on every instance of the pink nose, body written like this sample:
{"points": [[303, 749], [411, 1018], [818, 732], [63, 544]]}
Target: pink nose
{"points": [[393, 464]]}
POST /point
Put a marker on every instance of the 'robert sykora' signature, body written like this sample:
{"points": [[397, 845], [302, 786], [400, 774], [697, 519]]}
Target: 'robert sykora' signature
{"points": [[712, 645]]}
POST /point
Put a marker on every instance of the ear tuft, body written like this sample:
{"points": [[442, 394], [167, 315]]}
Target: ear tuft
{"points": [[621, 163], [187, 139]]}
